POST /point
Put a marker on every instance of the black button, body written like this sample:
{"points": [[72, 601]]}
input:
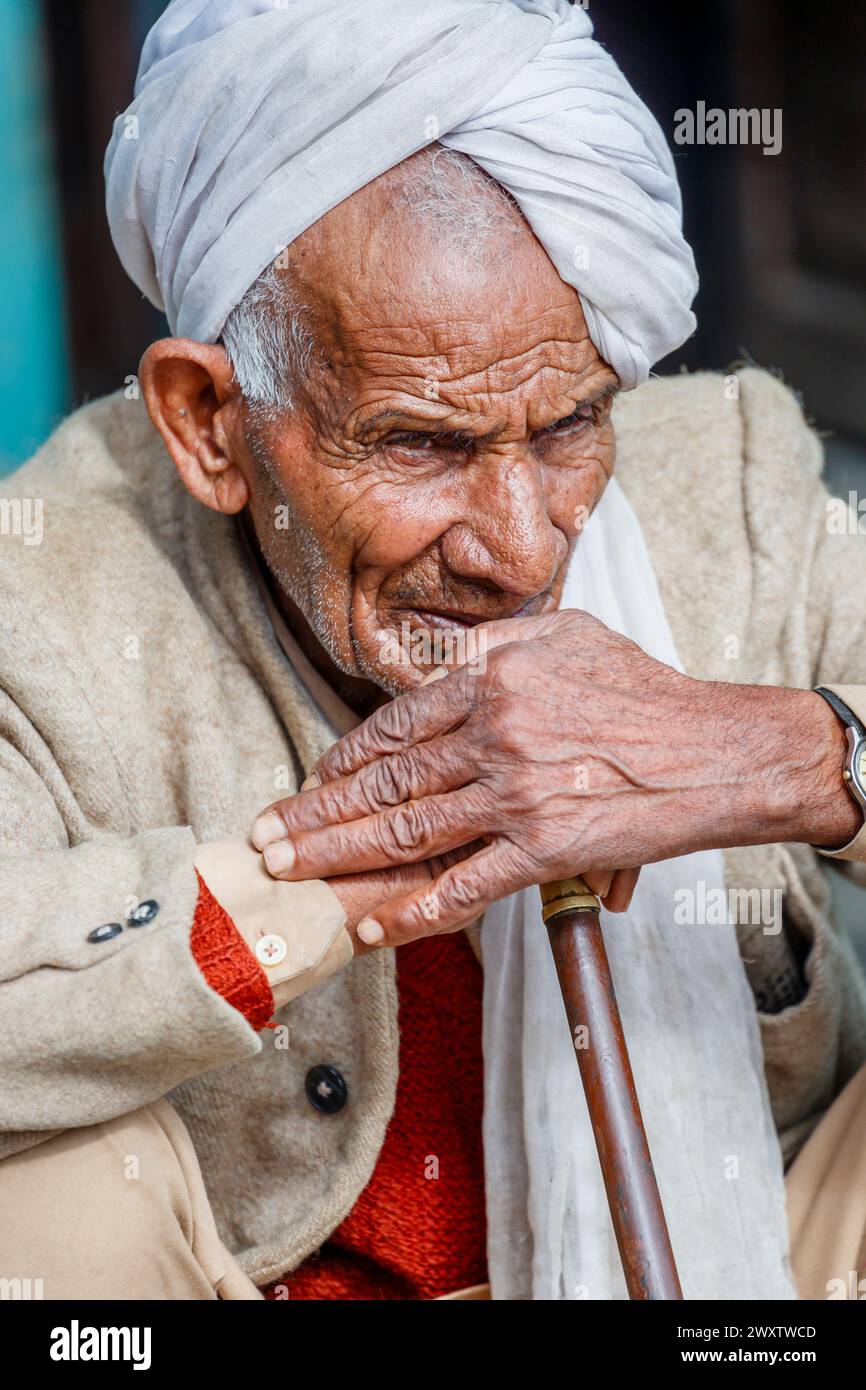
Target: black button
{"points": [[143, 913], [105, 933], [326, 1088]]}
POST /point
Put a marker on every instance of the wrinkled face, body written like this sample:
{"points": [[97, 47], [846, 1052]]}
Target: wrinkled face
{"points": [[442, 458]]}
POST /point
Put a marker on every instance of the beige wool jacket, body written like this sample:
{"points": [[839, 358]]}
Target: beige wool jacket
{"points": [[147, 708]]}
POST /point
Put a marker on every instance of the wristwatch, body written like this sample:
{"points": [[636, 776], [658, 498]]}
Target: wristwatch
{"points": [[854, 771]]}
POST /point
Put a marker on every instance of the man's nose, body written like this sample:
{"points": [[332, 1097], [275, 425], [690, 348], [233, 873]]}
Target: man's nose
{"points": [[505, 536]]}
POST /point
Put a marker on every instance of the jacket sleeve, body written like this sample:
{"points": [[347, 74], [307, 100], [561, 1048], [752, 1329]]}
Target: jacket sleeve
{"points": [[812, 1048], [103, 1004]]}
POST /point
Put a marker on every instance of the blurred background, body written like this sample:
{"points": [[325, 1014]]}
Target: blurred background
{"points": [[780, 240]]}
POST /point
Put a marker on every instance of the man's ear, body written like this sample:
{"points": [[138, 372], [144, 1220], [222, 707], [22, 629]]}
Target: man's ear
{"points": [[192, 400]]}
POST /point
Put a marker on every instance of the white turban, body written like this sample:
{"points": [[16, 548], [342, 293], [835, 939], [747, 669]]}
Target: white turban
{"points": [[252, 118]]}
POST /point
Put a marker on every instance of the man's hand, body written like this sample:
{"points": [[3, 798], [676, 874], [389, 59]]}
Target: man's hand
{"points": [[363, 894], [571, 751]]}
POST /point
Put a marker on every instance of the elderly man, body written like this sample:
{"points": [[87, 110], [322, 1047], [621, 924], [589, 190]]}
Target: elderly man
{"points": [[409, 255]]}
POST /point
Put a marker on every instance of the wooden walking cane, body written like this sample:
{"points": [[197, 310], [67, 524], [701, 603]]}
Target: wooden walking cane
{"points": [[571, 914]]}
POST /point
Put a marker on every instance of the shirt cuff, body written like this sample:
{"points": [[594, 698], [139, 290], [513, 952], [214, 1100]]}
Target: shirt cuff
{"points": [[854, 696], [296, 931]]}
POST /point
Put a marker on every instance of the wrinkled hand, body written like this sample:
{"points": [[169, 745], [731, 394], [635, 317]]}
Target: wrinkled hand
{"points": [[571, 751], [362, 895]]}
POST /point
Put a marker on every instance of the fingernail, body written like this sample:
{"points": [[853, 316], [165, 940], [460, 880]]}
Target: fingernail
{"points": [[266, 829], [370, 931], [312, 781], [436, 674], [279, 856]]}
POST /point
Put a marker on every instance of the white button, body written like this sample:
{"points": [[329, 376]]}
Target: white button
{"points": [[271, 950]]}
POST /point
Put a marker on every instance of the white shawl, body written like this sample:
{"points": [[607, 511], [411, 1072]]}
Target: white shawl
{"points": [[692, 1033]]}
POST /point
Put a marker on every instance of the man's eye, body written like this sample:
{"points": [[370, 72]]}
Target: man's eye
{"points": [[426, 443], [571, 423], [410, 441]]}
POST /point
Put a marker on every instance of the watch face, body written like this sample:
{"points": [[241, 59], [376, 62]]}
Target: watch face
{"points": [[857, 782]]}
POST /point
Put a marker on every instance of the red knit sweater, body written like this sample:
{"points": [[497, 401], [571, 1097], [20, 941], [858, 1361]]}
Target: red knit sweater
{"points": [[418, 1229]]}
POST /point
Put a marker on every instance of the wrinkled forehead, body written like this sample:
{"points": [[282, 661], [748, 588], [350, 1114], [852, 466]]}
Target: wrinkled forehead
{"points": [[400, 290]]}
